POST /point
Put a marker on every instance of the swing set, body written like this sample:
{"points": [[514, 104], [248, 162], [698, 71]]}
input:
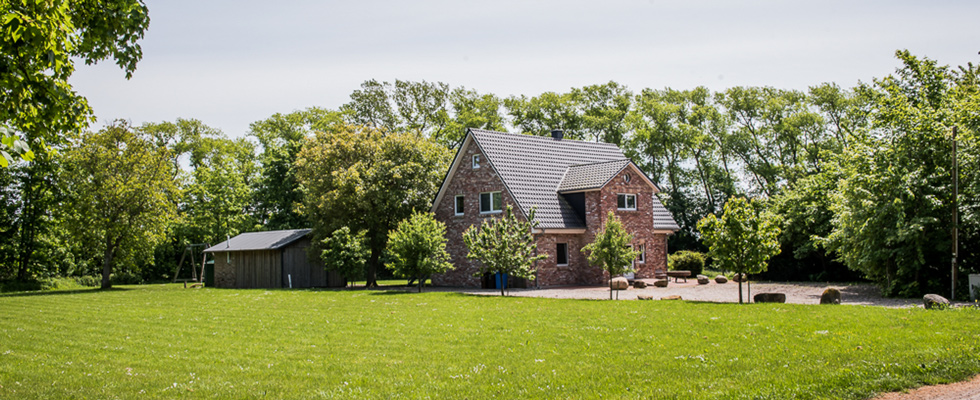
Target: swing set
{"points": [[195, 277]]}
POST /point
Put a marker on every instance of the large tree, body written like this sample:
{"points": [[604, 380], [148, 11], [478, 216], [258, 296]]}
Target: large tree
{"points": [[430, 109], [893, 206], [361, 177], [276, 195], [742, 239], [40, 41], [121, 193]]}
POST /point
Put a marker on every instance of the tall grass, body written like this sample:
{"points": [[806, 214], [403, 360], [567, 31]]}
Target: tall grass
{"points": [[164, 342]]}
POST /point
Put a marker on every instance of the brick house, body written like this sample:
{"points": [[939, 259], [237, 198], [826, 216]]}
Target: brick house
{"points": [[573, 184]]}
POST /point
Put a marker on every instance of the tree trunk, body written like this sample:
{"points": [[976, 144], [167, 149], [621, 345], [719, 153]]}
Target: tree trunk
{"points": [[420, 283], [610, 287], [107, 266], [371, 275], [28, 223], [739, 287]]}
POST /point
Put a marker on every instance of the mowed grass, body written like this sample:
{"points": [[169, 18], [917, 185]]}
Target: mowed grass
{"points": [[166, 342]]}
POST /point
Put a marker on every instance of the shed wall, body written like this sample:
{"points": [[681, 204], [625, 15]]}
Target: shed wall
{"points": [[248, 269]]}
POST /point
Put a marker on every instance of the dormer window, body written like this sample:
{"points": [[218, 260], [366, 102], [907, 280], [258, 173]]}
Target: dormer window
{"points": [[626, 202], [476, 161]]}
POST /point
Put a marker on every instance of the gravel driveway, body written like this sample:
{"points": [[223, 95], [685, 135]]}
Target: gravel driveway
{"points": [[796, 292]]}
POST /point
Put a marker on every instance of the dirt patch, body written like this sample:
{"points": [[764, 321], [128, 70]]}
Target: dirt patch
{"points": [[954, 391]]}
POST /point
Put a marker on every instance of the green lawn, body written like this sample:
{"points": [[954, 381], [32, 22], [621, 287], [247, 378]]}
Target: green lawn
{"points": [[162, 341]]}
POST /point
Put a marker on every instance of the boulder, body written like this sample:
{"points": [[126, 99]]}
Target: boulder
{"points": [[702, 280], [639, 284], [935, 301], [674, 297], [660, 283], [830, 296], [769, 298], [740, 278], [721, 279], [620, 283], [644, 297]]}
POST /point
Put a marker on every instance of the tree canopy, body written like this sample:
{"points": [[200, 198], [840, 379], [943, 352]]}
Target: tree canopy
{"points": [[742, 239], [39, 43], [610, 250], [418, 248], [363, 177], [504, 245], [122, 193]]}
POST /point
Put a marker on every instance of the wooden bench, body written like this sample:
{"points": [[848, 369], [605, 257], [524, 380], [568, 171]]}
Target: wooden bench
{"points": [[679, 275]]}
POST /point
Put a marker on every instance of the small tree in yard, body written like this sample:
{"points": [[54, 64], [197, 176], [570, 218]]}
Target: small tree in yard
{"points": [[418, 247], [743, 239], [504, 245], [610, 250], [345, 253]]}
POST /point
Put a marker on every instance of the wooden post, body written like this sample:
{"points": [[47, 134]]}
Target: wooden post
{"points": [[204, 260], [182, 255]]}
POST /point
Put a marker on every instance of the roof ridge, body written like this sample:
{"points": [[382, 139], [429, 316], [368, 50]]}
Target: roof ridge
{"points": [[547, 138], [600, 162]]}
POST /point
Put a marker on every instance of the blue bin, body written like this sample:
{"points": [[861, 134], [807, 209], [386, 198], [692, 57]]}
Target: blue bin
{"points": [[501, 281]]}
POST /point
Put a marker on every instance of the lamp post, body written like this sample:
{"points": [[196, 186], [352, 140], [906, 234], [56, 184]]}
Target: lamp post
{"points": [[956, 245]]}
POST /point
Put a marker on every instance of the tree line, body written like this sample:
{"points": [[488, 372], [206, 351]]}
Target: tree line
{"points": [[859, 178]]}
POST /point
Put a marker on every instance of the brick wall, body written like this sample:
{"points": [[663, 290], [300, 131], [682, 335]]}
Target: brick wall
{"points": [[468, 182], [224, 273], [637, 222]]}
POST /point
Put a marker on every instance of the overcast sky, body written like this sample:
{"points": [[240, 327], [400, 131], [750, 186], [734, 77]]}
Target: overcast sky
{"points": [[230, 63]]}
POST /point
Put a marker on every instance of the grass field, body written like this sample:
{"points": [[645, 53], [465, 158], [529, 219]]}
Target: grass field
{"points": [[161, 341]]}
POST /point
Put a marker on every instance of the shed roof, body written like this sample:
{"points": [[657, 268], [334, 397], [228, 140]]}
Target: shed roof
{"points": [[268, 240]]}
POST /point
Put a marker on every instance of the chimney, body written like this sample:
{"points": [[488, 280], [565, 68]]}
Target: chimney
{"points": [[557, 134]]}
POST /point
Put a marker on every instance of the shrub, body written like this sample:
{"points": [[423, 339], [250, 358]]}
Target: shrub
{"points": [[346, 252], [418, 247], [88, 280], [125, 278], [686, 261]]}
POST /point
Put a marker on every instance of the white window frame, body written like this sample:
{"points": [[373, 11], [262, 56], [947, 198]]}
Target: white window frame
{"points": [[492, 204], [626, 202], [642, 257], [456, 208], [557, 253], [476, 161]]}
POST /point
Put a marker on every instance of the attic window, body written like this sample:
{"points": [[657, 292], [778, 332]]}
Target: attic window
{"points": [[626, 202], [459, 204], [627, 178], [491, 202], [476, 161]]}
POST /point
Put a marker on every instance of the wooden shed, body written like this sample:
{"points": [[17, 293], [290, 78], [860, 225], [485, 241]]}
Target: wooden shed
{"points": [[273, 259]]}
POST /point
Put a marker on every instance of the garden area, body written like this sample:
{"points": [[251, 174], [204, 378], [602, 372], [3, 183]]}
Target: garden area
{"points": [[163, 341]]}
